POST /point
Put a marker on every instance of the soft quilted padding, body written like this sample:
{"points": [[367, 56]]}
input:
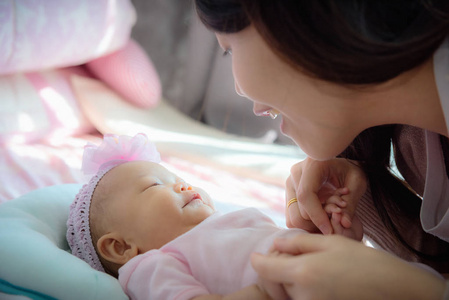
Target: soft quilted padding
{"points": [[34, 255]]}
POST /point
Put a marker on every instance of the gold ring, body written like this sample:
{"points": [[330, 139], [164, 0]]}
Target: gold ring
{"points": [[291, 201]]}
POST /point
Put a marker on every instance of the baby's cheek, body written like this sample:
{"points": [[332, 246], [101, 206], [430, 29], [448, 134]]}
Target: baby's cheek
{"points": [[211, 204]]}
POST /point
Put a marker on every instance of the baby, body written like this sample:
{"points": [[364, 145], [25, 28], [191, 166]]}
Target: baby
{"points": [[161, 236]]}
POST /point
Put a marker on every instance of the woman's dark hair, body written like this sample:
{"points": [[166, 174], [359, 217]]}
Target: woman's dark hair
{"points": [[394, 197], [346, 41], [353, 43]]}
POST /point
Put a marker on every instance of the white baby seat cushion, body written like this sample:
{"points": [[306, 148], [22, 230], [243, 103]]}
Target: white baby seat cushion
{"points": [[35, 260]]}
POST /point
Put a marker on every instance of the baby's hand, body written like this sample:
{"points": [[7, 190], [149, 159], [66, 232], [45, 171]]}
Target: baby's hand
{"points": [[342, 221], [336, 204], [355, 231]]}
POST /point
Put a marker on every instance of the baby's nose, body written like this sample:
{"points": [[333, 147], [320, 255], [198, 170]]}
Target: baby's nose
{"points": [[182, 187]]}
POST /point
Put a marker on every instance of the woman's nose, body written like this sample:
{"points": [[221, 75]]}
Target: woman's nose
{"points": [[182, 187]]}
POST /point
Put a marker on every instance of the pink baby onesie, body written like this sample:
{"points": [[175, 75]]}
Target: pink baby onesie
{"points": [[212, 258]]}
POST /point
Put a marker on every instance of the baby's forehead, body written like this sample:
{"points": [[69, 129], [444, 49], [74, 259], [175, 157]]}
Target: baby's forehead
{"points": [[142, 168], [131, 172], [124, 177]]}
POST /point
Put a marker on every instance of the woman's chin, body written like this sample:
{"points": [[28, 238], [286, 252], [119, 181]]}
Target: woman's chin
{"points": [[314, 149], [318, 152]]}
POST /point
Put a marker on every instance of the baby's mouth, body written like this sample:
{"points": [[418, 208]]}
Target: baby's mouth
{"points": [[195, 196]]}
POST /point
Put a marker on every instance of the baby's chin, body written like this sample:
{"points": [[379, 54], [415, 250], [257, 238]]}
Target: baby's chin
{"points": [[204, 212], [208, 201]]}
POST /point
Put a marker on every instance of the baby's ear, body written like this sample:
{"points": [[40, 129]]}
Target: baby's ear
{"points": [[112, 247]]}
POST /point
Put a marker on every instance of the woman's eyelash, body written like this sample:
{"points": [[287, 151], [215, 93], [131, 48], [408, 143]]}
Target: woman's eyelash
{"points": [[227, 52]]}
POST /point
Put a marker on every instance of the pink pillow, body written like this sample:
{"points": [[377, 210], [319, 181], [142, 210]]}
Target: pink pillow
{"points": [[130, 72], [40, 34]]}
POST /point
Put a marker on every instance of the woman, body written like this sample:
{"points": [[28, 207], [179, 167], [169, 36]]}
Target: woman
{"points": [[350, 79]]}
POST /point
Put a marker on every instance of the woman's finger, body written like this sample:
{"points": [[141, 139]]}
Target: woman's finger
{"points": [[356, 182], [293, 215], [295, 218], [304, 243], [307, 193], [274, 268], [312, 206], [291, 211]]}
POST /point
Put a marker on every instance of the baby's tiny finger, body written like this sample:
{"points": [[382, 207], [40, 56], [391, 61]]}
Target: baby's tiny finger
{"points": [[346, 221], [336, 223], [342, 191], [337, 201], [332, 208]]}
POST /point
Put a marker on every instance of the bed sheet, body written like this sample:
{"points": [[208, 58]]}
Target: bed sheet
{"points": [[26, 167], [29, 166]]}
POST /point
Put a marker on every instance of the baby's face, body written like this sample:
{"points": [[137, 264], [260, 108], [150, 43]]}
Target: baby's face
{"points": [[152, 206]]}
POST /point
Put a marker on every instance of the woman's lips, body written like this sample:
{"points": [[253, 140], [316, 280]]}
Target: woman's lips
{"points": [[273, 113]]}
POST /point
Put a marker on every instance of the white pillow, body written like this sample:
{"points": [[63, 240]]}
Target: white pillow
{"points": [[34, 255]]}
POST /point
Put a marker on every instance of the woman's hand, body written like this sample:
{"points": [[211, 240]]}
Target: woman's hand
{"points": [[335, 267], [313, 183], [274, 289]]}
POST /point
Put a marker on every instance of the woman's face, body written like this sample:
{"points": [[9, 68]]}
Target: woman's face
{"points": [[314, 113]]}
